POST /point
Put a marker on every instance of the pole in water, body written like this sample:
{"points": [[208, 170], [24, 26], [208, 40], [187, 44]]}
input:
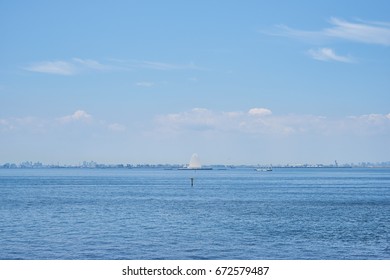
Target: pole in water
{"points": [[192, 181]]}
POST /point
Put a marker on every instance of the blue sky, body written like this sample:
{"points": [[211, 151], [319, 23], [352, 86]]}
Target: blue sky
{"points": [[237, 82]]}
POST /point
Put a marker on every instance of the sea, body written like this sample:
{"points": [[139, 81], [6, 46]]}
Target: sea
{"points": [[234, 213]]}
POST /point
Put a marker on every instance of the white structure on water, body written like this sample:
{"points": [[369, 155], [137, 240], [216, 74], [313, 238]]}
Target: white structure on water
{"points": [[194, 162]]}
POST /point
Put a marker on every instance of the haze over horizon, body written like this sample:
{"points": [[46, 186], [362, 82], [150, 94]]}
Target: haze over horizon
{"points": [[156, 81]]}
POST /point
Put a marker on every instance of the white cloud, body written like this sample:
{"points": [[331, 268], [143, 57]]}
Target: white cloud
{"points": [[259, 112], [370, 33], [77, 116], [78, 65], [377, 33], [58, 67], [255, 122], [67, 68], [327, 54], [373, 119], [201, 119], [47, 125]]}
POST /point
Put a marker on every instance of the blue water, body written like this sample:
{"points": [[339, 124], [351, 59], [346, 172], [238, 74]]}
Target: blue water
{"points": [[228, 214]]}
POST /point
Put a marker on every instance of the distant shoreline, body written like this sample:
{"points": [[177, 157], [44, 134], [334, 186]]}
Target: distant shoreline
{"points": [[180, 167]]}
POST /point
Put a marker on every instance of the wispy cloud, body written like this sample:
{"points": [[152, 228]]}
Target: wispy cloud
{"points": [[364, 32], [58, 67], [145, 84], [80, 118], [305, 35], [67, 67], [76, 66], [156, 65], [377, 33], [23, 124], [90, 64], [327, 54]]}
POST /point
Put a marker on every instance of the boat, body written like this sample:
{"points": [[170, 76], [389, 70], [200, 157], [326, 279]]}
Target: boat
{"points": [[267, 169]]}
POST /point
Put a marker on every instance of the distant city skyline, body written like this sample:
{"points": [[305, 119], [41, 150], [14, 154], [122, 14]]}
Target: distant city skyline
{"points": [[168, 166], [156, 81]]}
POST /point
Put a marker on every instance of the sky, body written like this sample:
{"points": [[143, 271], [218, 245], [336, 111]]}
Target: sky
{"points": [[237, 82]]}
